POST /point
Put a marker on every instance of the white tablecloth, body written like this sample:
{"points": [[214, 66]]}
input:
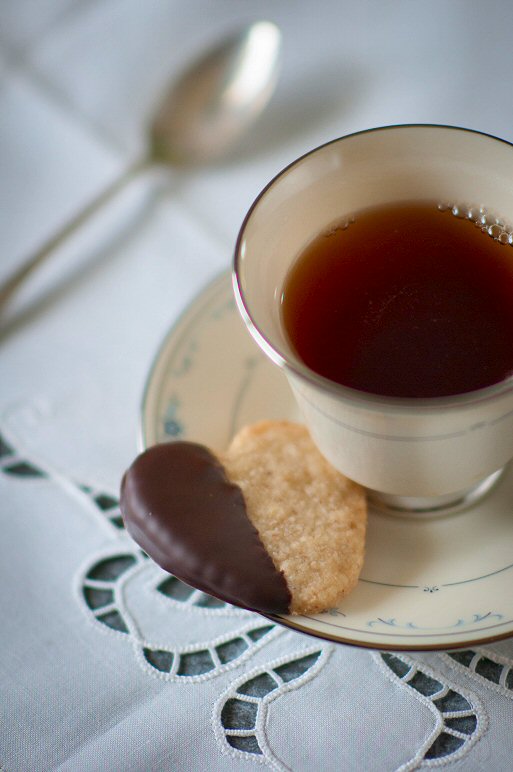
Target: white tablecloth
{"points": [[89, 632]]}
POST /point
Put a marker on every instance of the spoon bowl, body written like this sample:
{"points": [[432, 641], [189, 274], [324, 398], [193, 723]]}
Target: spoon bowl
{"points": [[201, 118], [218, 98]]}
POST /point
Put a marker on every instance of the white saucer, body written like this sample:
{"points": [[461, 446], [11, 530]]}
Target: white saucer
{"points": [[439, 583]]}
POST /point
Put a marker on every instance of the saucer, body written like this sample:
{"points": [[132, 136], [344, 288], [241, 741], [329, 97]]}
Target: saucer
{"points": [[429, 584]]}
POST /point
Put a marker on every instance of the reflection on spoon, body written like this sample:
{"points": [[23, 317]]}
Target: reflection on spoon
{"points": [[200, 119]]}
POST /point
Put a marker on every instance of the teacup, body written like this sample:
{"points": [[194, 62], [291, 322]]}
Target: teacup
{"points": [[412, 454]]}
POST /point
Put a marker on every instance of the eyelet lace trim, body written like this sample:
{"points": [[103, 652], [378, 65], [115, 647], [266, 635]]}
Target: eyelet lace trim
{"points": [[459, 716], [100, 590], [485, 666], [239, 716]]}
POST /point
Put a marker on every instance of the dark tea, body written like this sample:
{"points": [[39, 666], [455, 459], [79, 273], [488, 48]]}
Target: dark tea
{"points": [[404, 300]]}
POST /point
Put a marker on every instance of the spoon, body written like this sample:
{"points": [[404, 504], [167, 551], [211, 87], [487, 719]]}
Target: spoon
{"points": [[200, 119]]}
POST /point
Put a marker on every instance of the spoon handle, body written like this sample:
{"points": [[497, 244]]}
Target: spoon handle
{"points": [[9, 287]]}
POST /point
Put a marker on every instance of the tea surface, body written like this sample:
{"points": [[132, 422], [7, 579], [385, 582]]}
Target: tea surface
{"points": [[406, 301]]}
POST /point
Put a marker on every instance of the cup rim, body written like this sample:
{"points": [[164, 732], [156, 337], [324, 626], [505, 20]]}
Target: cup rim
{"points": [[365, 399]]}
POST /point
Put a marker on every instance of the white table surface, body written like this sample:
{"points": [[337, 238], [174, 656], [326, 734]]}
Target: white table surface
{"points": [[78, 80]]}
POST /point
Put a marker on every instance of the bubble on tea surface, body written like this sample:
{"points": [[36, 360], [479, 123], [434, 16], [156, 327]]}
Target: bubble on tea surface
{"points": [[341, 225], [488, 222], [495, 231], [459, 210]]}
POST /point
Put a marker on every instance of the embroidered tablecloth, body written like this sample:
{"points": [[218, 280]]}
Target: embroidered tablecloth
{"points": [[107, 663]]}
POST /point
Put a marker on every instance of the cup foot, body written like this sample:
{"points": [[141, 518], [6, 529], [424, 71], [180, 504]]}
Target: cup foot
{"points": [[432, 506]]}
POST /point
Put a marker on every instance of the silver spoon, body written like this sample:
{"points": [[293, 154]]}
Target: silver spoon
{"points": [[200, 119]]}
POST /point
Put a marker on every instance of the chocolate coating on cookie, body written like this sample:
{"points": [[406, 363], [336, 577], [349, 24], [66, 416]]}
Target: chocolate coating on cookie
{"points": [[181, 508]]}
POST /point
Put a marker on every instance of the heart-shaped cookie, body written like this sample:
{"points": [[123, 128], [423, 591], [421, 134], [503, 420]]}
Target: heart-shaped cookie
{"points": [[269, 525]]}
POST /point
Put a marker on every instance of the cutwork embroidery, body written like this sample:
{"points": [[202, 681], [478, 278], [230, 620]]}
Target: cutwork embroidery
{"points": [[12, 464], [193, 662], [459, 716], [108, 505], [104, 505], [486, 667], [100, 587], [240, 714], [173, 591]]}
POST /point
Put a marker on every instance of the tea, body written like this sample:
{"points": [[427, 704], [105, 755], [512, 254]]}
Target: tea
{"points": [[405, 300]]}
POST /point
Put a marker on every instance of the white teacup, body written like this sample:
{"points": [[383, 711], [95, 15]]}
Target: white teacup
{"points": [[421, 455]]}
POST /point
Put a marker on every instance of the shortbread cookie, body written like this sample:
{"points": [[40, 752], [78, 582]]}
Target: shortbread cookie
{"points": [[269, 525]]}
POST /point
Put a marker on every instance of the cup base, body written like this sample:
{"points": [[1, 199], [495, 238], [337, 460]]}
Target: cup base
{"points": [[432, 506]]}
